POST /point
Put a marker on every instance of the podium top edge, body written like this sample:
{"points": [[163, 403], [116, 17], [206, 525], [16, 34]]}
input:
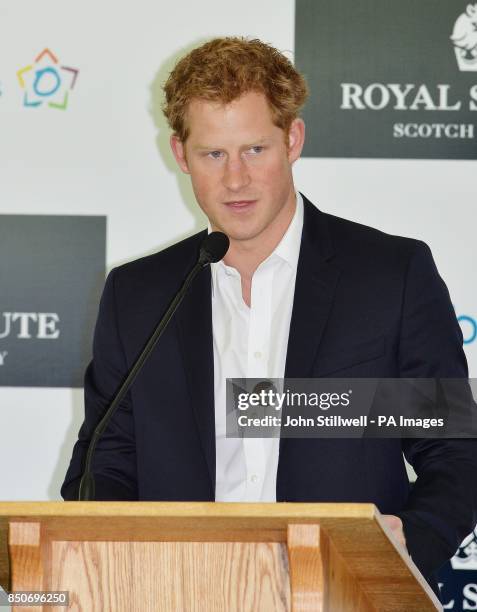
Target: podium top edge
{"points": [[281, 510]]}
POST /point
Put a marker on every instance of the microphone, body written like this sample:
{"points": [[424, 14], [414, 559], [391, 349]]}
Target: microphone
{"points": [[213, 248]]}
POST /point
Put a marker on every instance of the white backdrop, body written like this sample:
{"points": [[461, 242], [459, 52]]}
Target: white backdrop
{"points": [[107, 154]]}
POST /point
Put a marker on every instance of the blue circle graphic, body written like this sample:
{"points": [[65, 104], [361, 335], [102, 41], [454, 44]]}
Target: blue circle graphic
{"points": [[39, 75], [473, 324]]}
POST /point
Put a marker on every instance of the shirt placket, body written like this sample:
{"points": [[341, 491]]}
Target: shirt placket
{"points": [[257, 367]]}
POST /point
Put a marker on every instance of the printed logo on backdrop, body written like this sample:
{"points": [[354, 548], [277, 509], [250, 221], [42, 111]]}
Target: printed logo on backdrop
{"points": [[464, 38], [52, 272], [389, 79], [458, 579], [468, 325], [466, 556], [47, 82]]}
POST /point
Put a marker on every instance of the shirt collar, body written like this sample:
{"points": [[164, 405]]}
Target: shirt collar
{"points": [[289, 246], [288, 249]]}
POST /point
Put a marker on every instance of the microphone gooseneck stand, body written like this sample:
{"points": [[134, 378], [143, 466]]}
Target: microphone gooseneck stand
{"points": [[213, 249]]}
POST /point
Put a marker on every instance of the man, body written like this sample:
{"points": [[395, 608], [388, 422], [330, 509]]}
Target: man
{"points": [[299, 294]]}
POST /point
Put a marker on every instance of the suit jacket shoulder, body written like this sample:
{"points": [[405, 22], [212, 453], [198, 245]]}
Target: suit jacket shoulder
{"points": [[171, 264], [347, 238]]}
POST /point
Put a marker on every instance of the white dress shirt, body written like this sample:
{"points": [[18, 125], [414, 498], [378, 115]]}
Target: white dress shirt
{"points": [[252, 343]]}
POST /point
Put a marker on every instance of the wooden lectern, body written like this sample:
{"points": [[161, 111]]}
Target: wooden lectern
{"points": [[154, 556]]}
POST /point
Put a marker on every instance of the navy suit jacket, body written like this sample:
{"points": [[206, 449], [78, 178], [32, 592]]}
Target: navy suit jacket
{"points": [[366, 304]]}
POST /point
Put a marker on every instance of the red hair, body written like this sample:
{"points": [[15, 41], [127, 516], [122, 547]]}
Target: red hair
{"points": [[224, 69]]}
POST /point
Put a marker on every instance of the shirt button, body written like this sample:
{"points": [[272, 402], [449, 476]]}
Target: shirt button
{"points": [[257, 355], [254, 477]]}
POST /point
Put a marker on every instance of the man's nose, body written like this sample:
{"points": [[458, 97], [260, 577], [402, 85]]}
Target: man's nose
{"points": [[236, 175]]}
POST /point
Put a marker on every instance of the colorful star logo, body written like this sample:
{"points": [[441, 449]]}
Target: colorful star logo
{"points": [[46, 82]]}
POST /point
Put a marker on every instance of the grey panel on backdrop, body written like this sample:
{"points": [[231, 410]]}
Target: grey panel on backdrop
{"points": [[386, 42], [52, 271]]}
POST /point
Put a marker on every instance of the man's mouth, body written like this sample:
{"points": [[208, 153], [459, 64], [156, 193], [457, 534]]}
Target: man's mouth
{"points": [[240, 205]]}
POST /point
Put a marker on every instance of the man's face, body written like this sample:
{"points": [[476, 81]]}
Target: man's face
{"points": [[240, 166]]}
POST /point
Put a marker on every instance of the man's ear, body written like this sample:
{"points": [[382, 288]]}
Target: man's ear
{"points": [[178, 149], [296, 139]]}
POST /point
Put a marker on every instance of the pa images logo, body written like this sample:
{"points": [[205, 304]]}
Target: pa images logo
{"points": [[464, 38], [47, 82]]}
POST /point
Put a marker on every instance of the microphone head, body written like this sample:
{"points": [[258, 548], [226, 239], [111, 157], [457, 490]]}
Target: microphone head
{"points": [[213, 248]]}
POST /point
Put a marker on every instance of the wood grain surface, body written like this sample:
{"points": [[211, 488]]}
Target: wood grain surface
{"points": [[167, 576]]}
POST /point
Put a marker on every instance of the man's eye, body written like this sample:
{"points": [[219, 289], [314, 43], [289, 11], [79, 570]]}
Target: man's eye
{"points": [[215, 154], [257, 149]]}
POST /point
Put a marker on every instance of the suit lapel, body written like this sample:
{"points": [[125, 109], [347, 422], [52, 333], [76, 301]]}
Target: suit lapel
{"points": [[194, 320], [315, 286]]}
